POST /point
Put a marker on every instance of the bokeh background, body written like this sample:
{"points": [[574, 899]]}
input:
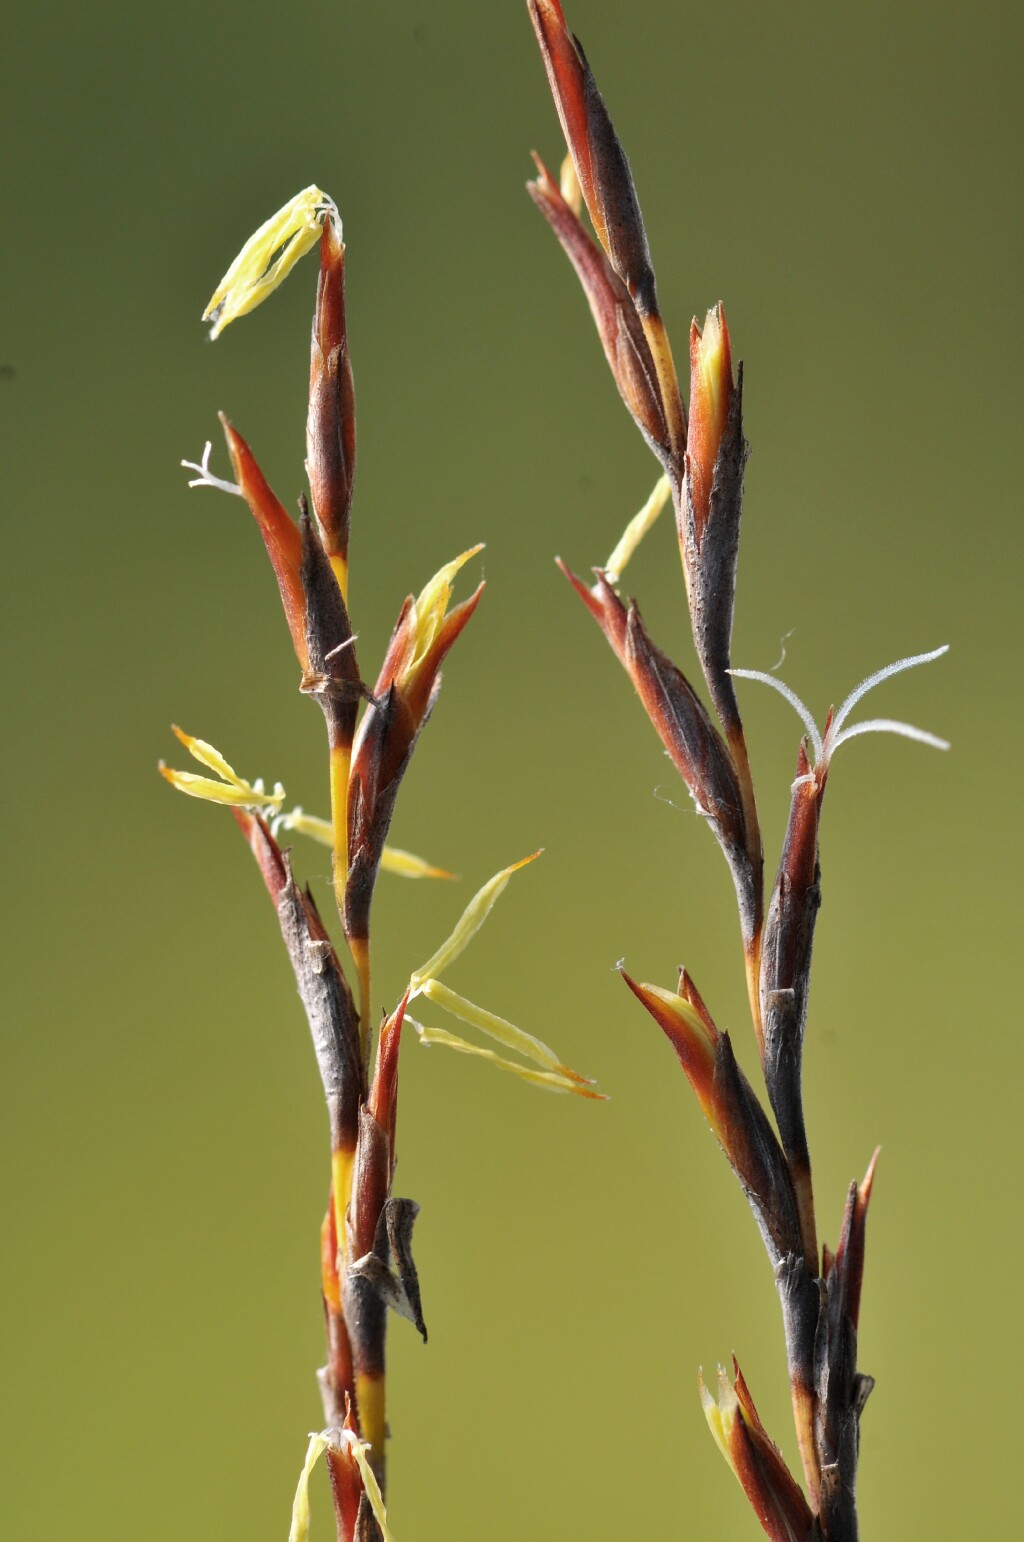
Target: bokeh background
{"points": [[845, 180]]}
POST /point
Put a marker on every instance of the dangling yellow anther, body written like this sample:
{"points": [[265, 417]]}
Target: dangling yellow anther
{"points": [[468, 924], [232, 789], [637, 529], [268, 257]]}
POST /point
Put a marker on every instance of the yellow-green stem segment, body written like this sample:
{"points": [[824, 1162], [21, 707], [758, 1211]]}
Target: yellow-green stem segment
{"points": [[341, 760], [340, 567], [668, 381], [804, 1190], [803, 1416], [359, 947], [752, 946], [370, 1398], [343, 1162]]}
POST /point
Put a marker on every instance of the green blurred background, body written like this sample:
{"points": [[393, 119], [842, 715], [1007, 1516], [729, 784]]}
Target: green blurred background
{"points": [[845, 180]]}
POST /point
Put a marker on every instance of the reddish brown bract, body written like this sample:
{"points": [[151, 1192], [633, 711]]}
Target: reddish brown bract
{"points": [[331, 421]]}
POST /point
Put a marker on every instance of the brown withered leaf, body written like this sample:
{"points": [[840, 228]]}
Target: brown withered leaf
{"points": [[398, 1289]]}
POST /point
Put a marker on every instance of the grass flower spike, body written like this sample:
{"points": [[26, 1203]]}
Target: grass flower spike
{"points": [[607, 188], [702, 452], [367, 1270]]}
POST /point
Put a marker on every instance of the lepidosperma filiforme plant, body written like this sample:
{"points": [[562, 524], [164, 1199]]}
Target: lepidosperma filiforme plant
{"points": [[365, 1247], [702, 452]]}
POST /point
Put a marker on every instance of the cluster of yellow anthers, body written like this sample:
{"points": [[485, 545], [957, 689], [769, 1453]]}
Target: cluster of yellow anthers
{"points": [[234, 791], [546, 1069], [238, 793]]}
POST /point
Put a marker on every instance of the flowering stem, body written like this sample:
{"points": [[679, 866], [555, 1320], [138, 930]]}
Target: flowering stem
{"points": [[703, 453], [366, 1263]]}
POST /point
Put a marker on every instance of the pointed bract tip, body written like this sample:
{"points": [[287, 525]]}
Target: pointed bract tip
{"points": [[868, 1181], [711, 393], [589, 599], [525, 861]]}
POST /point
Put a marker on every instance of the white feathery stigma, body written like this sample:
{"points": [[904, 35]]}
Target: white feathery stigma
{"points": [[206, 477], [825, 746]]}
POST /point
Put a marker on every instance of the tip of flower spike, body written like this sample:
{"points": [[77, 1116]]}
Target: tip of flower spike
{"points": [[694, 1038], [358, 1449], [580, 1081], [776, 1497], [713, 358], [545, 185], [268, 257]]}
